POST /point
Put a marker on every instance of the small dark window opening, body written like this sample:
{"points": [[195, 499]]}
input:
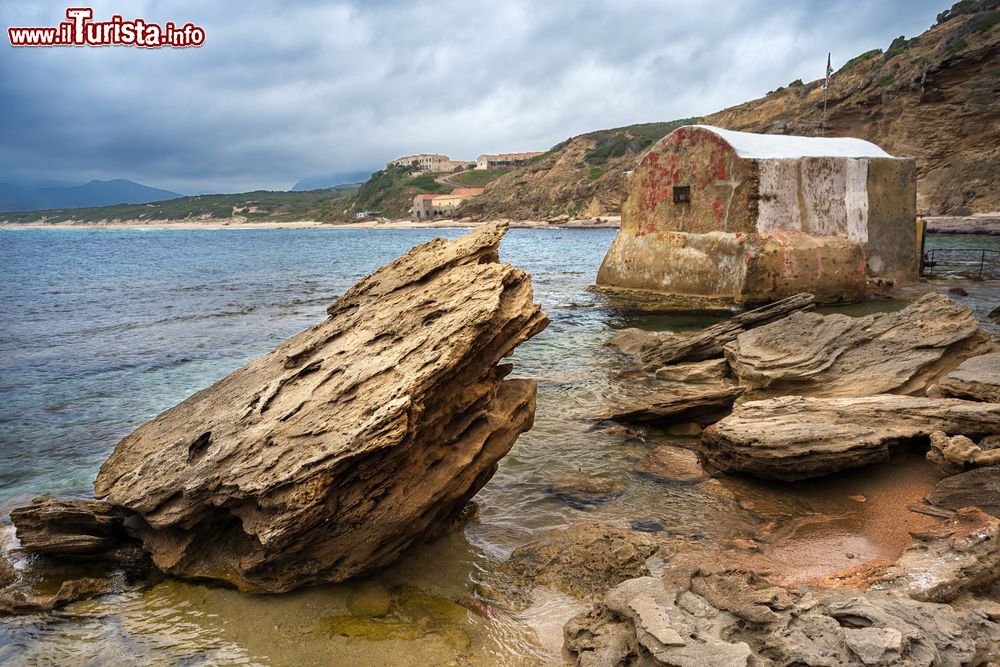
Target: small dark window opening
{"points": [[682, 194]]}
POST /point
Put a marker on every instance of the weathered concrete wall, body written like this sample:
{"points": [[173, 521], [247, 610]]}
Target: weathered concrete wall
{"points": [[820, 195], [892, 214], [709, 264], [723, 187], [783, 264]]}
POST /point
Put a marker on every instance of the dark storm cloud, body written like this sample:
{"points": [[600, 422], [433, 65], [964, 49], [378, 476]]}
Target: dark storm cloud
{"points": [[286, 89]]}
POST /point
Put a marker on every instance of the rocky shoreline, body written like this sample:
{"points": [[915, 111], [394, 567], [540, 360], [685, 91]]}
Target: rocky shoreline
{"points": [[370, 432]]}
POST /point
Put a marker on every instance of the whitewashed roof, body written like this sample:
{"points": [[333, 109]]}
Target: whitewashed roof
{"points": [[778, 146]]}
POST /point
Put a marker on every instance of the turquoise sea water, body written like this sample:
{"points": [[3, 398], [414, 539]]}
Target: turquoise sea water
{"points": [[104, 329]]}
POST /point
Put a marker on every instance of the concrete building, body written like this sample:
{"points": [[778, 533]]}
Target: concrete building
{"points": [[504, 160], [751, 218], [428, 207], [431, 162]]}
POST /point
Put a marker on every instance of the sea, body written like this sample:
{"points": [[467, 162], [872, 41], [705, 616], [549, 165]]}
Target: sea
{"points": [[100, 330]]}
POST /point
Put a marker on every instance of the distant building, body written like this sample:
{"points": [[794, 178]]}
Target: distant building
{"points": [[428, 207], [430, 162], [504, 160]]}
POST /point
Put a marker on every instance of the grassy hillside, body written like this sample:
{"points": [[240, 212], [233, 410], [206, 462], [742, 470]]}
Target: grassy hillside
{"points": [[583, 175], [478, 178], [390, 191], [934, 97]]}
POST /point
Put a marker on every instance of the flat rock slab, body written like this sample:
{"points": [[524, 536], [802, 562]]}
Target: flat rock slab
{"points": [[979, 488], [658, 350], [710, 370], [349, 442], [68, 527], [977, 379], [795, 437], [836, 355], [673, 403]]}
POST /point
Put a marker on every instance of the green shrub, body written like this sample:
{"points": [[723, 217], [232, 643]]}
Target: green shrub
{"points": [[857, 60], [595, 173]]}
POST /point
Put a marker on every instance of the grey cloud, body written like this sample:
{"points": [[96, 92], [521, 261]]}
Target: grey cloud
{"points": [[284, 90]]}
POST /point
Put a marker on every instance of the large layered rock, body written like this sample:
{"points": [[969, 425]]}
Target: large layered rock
{"points": [[731, 618], [977, 378], [836, 355], [795, 437], [350, 441]]}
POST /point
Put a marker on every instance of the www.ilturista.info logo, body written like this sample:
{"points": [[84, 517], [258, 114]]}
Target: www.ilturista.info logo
{"points": [[80, 30]]}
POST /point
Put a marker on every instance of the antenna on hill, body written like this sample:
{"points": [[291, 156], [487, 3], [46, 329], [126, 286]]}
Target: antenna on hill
{"points": [[826, 89]]}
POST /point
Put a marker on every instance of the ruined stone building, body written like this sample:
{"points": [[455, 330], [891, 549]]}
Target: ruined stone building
{"points": [[428, 207], [494, 161], [751, 218]]}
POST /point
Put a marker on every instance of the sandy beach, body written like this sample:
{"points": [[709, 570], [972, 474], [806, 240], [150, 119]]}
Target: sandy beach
{"points": [[611, 222]]}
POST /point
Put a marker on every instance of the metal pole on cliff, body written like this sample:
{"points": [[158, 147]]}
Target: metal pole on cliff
{"points": [[826, 90]]}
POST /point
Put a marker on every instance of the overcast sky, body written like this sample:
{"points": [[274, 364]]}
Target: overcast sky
{"points": [[288, 89]]}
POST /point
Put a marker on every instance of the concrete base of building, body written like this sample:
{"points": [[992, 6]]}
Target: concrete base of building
{"points": [[744, 269]]}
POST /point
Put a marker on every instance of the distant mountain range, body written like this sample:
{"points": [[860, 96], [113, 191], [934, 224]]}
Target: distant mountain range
{"points": [[94, 193], [331, 180]]}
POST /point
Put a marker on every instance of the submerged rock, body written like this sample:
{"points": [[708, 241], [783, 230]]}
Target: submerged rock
{"points": [[902, 352], [349, 442], [977, 379], [793, 437], [584, 560], [667, 463], [979, 488], [641, 621], [959, 555], [583, 492]]}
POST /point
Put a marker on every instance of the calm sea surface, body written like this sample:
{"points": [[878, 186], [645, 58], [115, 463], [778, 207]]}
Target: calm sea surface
{"points": [[102, 330]]}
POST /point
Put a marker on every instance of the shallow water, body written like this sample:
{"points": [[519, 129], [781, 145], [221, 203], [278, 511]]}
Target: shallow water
{"points": [[102, 330]]}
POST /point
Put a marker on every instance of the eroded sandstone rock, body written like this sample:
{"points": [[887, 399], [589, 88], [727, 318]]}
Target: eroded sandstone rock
{"points": [[641, 621], [977, 379], [794, 437], [979, 487], [68, 527], [695, 372], [349, 442], [837, 355], [954, 454], [959, 555], [673, 402], [659, 350]]}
